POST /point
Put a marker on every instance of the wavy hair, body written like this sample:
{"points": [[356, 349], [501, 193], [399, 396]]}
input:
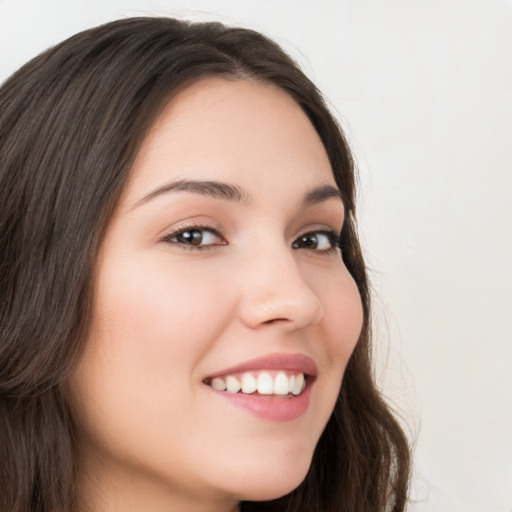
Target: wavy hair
{"points": [[71, 123]]}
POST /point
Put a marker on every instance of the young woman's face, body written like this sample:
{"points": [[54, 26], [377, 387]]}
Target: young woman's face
{"points": [[220, 268]]}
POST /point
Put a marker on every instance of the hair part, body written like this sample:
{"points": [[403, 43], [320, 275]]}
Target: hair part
{"points": [[71, 123]]}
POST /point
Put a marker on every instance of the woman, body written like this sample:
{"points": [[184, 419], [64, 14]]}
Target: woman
{"points": [[179, 331]]}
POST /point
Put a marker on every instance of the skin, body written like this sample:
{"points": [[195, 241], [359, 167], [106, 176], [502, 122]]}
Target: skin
{"points": [[152, 436]]}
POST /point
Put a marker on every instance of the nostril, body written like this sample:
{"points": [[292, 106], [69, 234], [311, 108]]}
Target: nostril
{"points": [[275, 320]]}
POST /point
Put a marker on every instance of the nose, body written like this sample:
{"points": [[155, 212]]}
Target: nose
{"points": [[275, 292]]}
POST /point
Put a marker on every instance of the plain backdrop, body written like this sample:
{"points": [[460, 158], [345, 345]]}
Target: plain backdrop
{"points": [[423, 90]]}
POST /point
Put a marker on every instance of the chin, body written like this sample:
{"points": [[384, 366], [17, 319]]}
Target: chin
{"points": [[268, 489], [272, 481]]}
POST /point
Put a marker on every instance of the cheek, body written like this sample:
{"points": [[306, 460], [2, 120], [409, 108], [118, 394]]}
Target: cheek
{"points": [[339, 332], [343, 320], [151, 328], [343, 313], [136, 395], [158, 314]]}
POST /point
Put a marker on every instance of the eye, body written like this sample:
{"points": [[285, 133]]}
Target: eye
{"points": [[322, 241], [196, 237]]}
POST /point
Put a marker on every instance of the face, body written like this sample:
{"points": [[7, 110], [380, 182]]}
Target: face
{"points": [[220, 286]]}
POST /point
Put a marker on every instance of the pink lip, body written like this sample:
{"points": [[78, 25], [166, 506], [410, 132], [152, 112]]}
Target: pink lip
{"points": [[271, 407], [292, 362]]}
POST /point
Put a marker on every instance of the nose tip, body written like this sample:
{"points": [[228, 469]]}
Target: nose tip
{"points": [[287, 300]]}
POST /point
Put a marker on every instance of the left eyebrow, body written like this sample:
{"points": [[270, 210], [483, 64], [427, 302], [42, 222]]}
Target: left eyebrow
{"points": [[320, 194]]}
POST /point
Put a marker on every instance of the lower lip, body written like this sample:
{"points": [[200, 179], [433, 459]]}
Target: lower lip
{"points": [[270, 407]]}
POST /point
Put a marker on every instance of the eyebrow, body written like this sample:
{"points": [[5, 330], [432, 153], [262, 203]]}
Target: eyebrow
{"points": [[321, 194], [233, 193], [213, 189]]}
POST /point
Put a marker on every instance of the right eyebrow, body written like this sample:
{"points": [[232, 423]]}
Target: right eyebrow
{"points": [[214, 189]]}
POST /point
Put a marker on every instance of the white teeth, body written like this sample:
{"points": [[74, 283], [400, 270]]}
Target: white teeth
{"points": [[291, 383], [232, 384], [299, 383], [218, 384], [263, 383], [249, 384], [281, 384]]}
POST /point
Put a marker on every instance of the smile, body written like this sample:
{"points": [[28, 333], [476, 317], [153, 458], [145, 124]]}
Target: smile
{"points": [[275, 387], [281, 383]]}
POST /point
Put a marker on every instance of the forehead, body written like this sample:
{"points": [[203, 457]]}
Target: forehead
{"points": [[239, 131]]}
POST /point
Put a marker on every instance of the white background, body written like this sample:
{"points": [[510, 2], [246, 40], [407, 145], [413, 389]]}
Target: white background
{"points": [[424, 91]]}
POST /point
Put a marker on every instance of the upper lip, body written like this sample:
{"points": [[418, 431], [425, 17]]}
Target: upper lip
{"points": [[292, 362]]}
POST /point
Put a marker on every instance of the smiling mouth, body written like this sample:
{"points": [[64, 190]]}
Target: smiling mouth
{"points": [[282, 384]]}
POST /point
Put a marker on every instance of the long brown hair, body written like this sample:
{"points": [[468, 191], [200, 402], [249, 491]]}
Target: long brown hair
{"points": [[71, 123]]}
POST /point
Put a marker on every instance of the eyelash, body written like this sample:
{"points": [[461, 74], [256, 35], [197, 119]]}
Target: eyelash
{"points": [[333, 238]]}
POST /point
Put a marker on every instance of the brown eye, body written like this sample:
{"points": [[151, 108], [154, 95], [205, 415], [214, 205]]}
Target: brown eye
{"points": [[195, 237], [192, 237], [317, 240]]}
